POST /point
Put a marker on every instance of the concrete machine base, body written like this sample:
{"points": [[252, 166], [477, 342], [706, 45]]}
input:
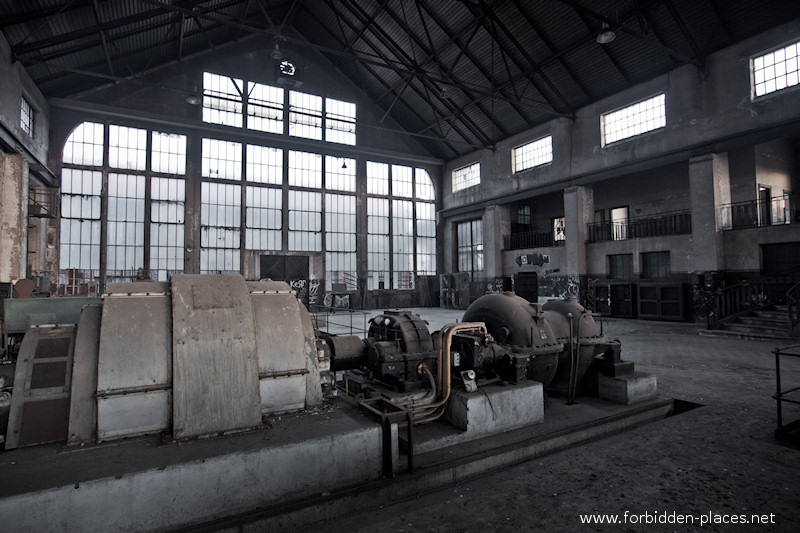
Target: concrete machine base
{"points": [[327, 458]]}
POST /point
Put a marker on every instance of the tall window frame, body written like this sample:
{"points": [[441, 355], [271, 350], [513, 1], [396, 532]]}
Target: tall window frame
{"points": [[116, 220], [469, 245], [26, 116]]}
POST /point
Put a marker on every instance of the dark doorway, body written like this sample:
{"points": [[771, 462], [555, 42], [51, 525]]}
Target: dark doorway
{"points": [[284, 267], [526, 285], [293, 269]]}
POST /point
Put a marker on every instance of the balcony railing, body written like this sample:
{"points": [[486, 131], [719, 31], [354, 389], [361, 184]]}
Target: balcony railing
{"points": [[676, 223], [530, 239], [760, 213]]}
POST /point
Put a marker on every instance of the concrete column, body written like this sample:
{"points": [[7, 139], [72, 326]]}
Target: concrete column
{"points": [[13, 217], [496, 223], [578, 211], [709, 187]]}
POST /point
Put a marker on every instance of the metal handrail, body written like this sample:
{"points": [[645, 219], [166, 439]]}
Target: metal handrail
{"points": [[752, 295]]}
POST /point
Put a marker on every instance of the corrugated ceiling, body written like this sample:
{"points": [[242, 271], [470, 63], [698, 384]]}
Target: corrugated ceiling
{"points": [[458, 74]]}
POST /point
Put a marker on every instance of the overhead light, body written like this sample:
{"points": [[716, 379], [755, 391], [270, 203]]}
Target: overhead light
{"points": [[344, 163], [193, 99], [606, 35], [276, 50]]}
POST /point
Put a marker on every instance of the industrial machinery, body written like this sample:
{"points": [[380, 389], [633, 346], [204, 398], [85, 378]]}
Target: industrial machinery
{"points": [[231, 402], [208, 355]]}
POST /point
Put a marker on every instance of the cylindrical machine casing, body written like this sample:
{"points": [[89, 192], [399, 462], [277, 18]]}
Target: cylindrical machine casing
{"points": [[516, 322]]}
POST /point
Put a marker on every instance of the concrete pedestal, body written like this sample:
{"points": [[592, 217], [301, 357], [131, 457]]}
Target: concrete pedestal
{"points": [[627, 388], [495, 409]]}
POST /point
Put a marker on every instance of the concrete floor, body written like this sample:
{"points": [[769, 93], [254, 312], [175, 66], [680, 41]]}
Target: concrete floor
{"points": [[708, 467]]}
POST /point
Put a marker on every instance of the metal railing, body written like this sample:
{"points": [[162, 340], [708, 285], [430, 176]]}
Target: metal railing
{"points": [[675, 223], [530, 239], [776, 211], [752, 295]]}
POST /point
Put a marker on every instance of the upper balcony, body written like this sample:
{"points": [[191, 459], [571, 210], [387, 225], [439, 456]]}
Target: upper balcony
{"points": [[665, 224], [774, 211]]}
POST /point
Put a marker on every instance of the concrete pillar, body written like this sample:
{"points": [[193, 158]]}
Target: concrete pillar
{"points": [[709, 187], [578, 211], [13, 217], [496, 223]]}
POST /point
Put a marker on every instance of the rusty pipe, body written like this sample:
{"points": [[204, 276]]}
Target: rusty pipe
{"points": [[445, 342]]}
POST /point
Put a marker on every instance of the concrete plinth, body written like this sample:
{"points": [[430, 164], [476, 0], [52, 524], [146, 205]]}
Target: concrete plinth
{"points": [[138, 485], [627, 389], [495, 409]]}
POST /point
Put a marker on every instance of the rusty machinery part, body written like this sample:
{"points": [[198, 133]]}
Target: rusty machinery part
{"points": [[397, 343], [347, 352], [521, 326], [435, 409], [404, 327]]}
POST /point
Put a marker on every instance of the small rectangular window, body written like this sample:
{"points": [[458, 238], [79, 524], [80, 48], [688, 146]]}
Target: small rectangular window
{"points": [[775, 71], [127, 147], [402, 185], [466, 177], [340, 121], [655, 265], [264, 108], [377, 178], [168, 153], [559, 230], [221, 159], [85, 145], [641, 117], [305, 169], [305, 115], [533, 154], [620, 266], [264, 164], [222, 100], [340, 174], [26, 117]]}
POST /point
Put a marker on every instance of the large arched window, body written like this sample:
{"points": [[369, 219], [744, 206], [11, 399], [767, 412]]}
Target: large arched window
{"points": [[124, 210], [122, 204]]}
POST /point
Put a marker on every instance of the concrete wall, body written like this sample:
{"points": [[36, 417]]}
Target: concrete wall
{"points": [[709, 112], [15, 84], [703, 110], [23, 242]]}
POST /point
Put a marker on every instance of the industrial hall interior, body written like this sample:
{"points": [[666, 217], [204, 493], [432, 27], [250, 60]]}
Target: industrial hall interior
{"points": [[399, 265]]}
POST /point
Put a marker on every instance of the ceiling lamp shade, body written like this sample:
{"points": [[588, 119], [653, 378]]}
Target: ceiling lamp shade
{"points": [[606, 35]]}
